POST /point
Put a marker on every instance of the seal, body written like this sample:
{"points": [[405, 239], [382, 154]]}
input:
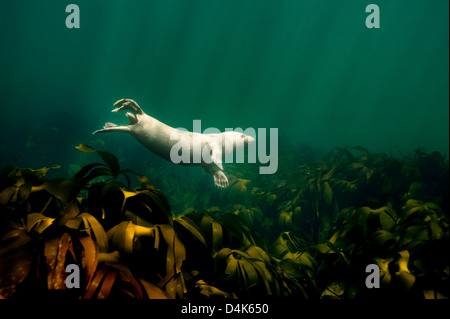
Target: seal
{"points": [[205, 150]]}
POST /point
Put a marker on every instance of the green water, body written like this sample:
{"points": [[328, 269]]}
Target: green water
{"points": [[312, 69], [309, 68]]}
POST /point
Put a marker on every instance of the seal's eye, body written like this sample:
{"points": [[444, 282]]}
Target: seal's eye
{"points": [[242, 136]]}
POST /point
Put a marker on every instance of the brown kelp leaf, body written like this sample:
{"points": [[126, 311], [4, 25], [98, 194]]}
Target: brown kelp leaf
{"points": [[83, 171], [150, 205], [95, 231], [16, 256], [70, 211], [41, 172], [176, 254], [213, 232], [135, 219], [57, 275], [107, 284], [121, 237], [210, 291], [63, 189], [95, 283], [8, 195], [37, 222], [114, 279], [127, 277], [153, 291], [109, 158], [433, 294], [144, 182], [188, 224], [91, 253], [239, 271]]}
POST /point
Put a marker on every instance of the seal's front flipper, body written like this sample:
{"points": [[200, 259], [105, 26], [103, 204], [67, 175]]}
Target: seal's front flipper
{"points": [[111, 127], [220, 179], [216, 155], [127, 104]]}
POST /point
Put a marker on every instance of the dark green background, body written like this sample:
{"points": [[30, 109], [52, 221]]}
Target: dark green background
{"points": [[310, 68]]}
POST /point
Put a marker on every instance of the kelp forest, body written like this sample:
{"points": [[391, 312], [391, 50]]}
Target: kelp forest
{"points": [[308, 231]]}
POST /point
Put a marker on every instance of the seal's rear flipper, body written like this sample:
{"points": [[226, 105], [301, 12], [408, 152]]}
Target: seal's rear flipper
{"points": [[128, 104], [111, 127]]}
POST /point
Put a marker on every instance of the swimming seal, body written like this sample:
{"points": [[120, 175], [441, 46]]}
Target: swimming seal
{"points": [[164, 140]]}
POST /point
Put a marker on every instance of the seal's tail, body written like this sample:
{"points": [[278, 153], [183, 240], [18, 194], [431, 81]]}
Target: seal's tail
{"points": [[111, 127]]}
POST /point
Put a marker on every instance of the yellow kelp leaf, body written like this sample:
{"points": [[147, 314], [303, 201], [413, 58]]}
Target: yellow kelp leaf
{"points": [[385, 275], [257, 252], [242, 272], [285, 220], [335, 290], [436, 230], [325, 248], [85, 148], [383, 236], [403, 272], [302, 258], [41, 172], [327, 194], [387, 221], [127, 194], [240, 184], [271, 198], [403, 261]]}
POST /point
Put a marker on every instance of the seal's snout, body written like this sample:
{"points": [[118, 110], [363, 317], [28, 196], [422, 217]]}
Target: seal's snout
{"points": [[249, 140]]}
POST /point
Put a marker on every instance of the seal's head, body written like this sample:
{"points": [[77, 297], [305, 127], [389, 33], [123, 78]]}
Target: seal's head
{"points": [[237, 139]]}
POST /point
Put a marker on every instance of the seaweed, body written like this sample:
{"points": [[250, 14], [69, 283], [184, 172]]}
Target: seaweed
{"points": [[309, 231]]}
